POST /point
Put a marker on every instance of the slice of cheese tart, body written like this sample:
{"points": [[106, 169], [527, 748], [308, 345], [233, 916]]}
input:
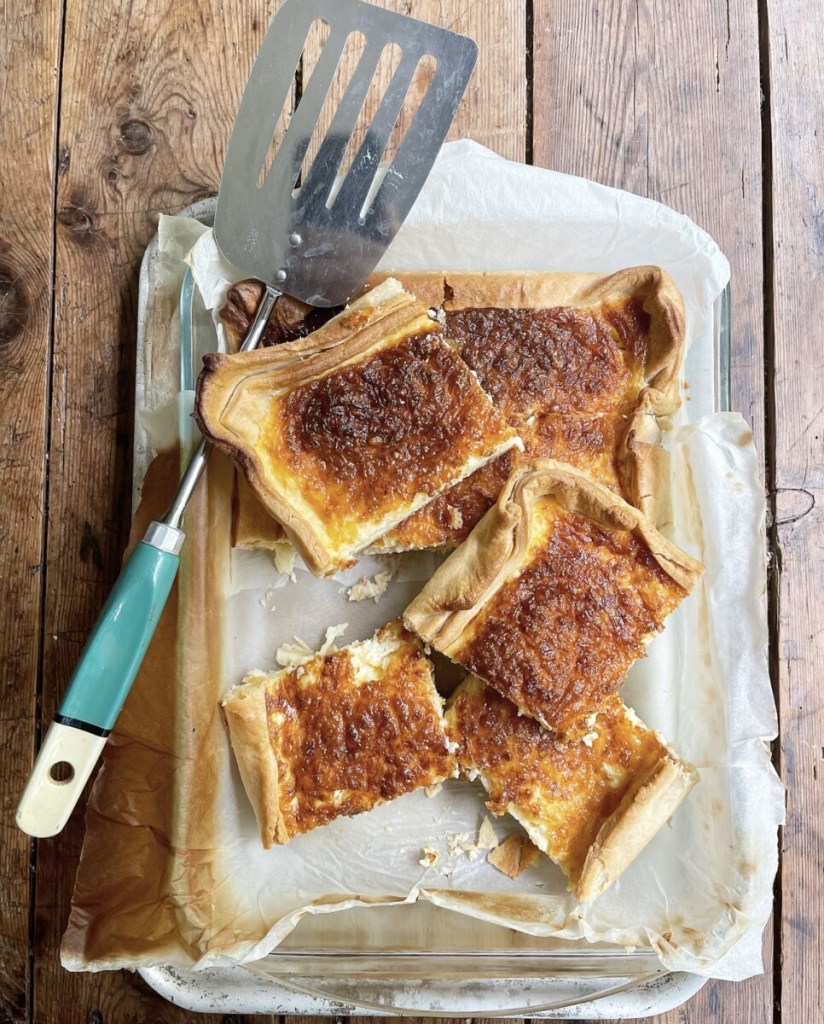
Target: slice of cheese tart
{"points": [[554, 594], [338, 734], [346, 432], [591, 802]]}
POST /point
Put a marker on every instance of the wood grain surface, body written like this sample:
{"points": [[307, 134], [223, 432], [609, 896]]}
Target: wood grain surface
{"points": [[111, 114], [494, 108], [28, 101], [796, 370]]}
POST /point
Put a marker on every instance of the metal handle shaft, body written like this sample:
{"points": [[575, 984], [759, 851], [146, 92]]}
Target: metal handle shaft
{"points": [[197, 463]]}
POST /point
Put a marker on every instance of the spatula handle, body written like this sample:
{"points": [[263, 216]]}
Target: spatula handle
{"points": [[101, 682]]}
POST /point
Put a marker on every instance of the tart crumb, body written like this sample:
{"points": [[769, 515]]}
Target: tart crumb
{"points": [[429, 857], [514, 855], [370, 589], [487, 840]]}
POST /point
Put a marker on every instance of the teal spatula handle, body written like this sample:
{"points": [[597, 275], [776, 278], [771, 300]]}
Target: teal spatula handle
{"points": [[114, 651], [101, 682]]}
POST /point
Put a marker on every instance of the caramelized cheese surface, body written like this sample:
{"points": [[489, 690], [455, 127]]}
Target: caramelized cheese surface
{"points": [[589, 443], [566, 379], [563, 789], [347, 739], [555, 360], [370, 437], [563, 632]]}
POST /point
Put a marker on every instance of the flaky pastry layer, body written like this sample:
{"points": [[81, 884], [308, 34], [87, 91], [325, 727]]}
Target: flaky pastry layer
{"points": [[554, 594]]}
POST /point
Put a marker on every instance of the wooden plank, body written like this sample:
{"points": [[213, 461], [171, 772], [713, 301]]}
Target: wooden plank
{"points": [[494, 108], [796, 93], [28, 61], [665, 102], [149, 97]]}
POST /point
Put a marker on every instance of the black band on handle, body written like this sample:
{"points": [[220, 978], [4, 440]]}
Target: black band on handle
{"points": [[75, 723]]}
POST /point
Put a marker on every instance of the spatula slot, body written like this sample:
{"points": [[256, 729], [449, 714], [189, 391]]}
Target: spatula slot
{"points": [[380, 148], [336, 119], [388, 65], [287, 110]]}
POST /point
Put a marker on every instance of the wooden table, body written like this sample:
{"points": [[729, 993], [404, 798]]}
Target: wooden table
{"points": [[112, 113]]}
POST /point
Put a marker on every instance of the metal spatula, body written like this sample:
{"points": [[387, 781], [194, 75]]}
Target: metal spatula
{"points": [[317, 239]]}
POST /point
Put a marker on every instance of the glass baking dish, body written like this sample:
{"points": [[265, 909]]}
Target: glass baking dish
{"points": [[414, 958]]}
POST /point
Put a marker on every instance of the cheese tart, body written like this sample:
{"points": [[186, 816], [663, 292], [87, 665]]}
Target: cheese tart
{"points": [[582, 365], [554, 594], [591, 802], [338, 734]]}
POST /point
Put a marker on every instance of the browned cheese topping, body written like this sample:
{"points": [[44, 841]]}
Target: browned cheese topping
{"points": [[578, 372], [563, 633], [345, 747], [589, 443], [375, 434], [554, 360], [450, 517], [568, 787]]}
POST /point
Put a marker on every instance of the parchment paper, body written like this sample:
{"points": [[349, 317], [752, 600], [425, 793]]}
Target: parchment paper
{"points": [[699, 894]]}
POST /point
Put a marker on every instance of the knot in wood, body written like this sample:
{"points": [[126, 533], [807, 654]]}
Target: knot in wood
{"points": [[111, 172], [14, 306], [136, 136], [78, 222]]}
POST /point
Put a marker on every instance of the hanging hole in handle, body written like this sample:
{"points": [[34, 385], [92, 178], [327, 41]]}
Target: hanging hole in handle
{"points": [[61, 772]]}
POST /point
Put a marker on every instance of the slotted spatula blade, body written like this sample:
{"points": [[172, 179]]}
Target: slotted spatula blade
{"points": [[321, 241], [318, 243]]}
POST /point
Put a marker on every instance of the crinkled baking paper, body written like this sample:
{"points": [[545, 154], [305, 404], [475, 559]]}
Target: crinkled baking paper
{"points": [[173, 871]]}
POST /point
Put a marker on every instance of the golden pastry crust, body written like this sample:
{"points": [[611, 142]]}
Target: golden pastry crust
{"points": [[554, 594], [339, 734], [344, 433], [591, 802], [252, 525], [247, 719]]}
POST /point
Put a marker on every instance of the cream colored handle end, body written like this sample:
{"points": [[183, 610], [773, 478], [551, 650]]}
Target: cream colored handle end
{"points": [[61, 770]]}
